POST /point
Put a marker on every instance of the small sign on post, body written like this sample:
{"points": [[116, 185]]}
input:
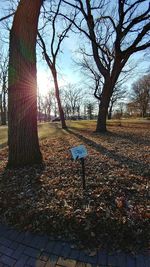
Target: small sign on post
{"points": [[80, 152]]}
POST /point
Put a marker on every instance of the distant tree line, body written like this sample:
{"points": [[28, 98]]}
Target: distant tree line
{"points": [[139, 104]]}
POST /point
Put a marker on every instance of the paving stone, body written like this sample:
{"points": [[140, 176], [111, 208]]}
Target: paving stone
{"points": [[31, 262], [139, 260], [22, 249], [19, 251], [147, 261], [39, 242], [83, 257], [5, 242], [6, 251], [32, 252], [13, 245], [74, 254], [40, 263], [102, 257], [80, 264], [50, 246], [66, 262], [3, 230], [130, 261], [12, 234], [22, 261], [7, 260], [121, 259], [44, 256], [20, 237], [112, 259], [27, 239], [35, 262], [52, 261], [66, 250], [57, 249]]}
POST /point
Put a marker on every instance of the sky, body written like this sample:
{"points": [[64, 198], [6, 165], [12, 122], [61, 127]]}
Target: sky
{"points": [[67, 72]]}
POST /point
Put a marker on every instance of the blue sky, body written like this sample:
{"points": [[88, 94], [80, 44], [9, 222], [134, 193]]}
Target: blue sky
{"points": [[66, 69]]}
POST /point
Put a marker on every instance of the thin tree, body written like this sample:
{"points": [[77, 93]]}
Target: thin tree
{"points": [[72, 97], [116, 31], [141, 94], [22, 86], [3, 93], [55, 46]]}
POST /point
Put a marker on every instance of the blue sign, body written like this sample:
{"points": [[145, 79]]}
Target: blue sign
{"points": [[79, 152]]}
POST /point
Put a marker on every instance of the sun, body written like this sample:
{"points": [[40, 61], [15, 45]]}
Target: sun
{"points": [[43, 82]]}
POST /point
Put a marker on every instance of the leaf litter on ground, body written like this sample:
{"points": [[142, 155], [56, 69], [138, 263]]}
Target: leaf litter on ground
{"points": [[113, 211]]}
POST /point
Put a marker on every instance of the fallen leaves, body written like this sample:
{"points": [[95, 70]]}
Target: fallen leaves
{"points": [[112, 211]]}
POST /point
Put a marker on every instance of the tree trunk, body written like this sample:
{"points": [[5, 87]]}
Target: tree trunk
{"points": [[110, 112], [61, 112], [4, 109], [3, 117], [102, 116], [103, 108], [1, 109], [107, 92], [22, 87]]}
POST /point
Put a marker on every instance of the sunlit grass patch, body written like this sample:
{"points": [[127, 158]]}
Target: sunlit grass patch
{"points": [[53, 129], [82, 124], [3, 136]]}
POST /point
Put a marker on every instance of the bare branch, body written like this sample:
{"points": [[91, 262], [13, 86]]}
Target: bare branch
{"points": [[6, 17], [43, 46]]}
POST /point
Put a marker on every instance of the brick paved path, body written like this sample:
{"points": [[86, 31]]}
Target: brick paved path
{"points": [[24, 249]]}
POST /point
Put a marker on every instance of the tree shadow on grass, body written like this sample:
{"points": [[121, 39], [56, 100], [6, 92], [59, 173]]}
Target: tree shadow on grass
{"points": [[136, 166], [135, 139]]}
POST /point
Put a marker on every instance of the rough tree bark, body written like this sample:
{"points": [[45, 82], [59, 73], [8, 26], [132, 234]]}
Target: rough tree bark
{"points": [[61, 112], [22, 86]]}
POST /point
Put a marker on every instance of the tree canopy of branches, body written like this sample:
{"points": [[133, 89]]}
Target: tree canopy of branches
{"points": [[72, 97], [96, 83], [59, 30], [22, 96], [116, 31], [141, 95]]}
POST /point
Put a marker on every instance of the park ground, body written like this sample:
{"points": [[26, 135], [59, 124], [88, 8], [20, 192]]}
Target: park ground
{"points": [[112, 211]]}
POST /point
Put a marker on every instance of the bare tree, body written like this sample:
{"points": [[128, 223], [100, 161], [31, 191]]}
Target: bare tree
{"points": [[72, 97], [95, 81], [116, 31], [90, 110], [58, 34], [119, 94], [3, 93], [141, 95], [22, 96]]}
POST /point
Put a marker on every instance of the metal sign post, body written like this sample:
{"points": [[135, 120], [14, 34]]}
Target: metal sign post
{"points": [[80, 152], [83, 172]]}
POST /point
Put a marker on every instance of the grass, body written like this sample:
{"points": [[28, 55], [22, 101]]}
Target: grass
{"points": [[3, 136], [112, 212], [53, 129]]}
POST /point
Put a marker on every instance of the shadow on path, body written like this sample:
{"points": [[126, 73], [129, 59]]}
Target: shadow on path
{"points": [[27, 249]]}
